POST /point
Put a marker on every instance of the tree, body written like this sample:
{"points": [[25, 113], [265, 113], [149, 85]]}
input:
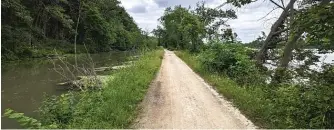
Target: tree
{"points": [[214, 19], [183, 30], [274, 31], [257, 43], [316, 22], [76, 34], [308, 20], [158, 32]]}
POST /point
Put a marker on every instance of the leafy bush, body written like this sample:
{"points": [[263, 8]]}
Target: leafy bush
{"points": [[318, 98], [58, 109], [304, 106], [232, 60], [307, 106]]}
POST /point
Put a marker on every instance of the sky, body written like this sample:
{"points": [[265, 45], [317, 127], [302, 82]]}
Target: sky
{"points": [[252, 18]]}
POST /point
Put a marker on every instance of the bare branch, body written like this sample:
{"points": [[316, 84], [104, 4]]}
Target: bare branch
{"points": [[261, 54], [282, 3], [221, 5], [266, 20], [229, 3], [267, 13], [277, 4]]}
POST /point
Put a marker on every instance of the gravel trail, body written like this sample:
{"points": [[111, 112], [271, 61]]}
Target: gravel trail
{"points": [[179, 98]]}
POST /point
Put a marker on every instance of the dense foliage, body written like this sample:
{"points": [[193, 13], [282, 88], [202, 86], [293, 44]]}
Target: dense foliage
{"points": [[31, 27], [184, 28], [232, 60]]}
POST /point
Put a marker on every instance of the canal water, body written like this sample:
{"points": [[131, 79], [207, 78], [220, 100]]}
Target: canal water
{"points": [[24, 84]]}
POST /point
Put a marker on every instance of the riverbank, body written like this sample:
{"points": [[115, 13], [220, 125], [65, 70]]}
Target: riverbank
{"points": [[285, 106], [24, 83], [112, 107]]}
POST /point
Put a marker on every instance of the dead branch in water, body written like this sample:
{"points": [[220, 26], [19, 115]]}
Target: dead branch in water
{"points": [[71, 73]]}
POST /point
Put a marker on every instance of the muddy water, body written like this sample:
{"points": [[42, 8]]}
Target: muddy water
{"points": [[23, 84]]}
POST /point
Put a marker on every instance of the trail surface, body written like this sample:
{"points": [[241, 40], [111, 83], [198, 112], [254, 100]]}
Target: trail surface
{"points": [[179, 98]]}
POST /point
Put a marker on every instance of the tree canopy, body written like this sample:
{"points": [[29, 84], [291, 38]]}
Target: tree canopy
{"points": [[101, 25], [184, 28]]}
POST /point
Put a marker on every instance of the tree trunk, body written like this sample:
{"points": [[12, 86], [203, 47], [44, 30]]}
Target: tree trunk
{"points": [[76, 34], [280, 72], [274, 29], [159, 40], [287, 53]]}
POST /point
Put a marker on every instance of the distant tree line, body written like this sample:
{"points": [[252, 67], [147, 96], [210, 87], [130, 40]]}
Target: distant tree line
{"points": [[186, 28]]}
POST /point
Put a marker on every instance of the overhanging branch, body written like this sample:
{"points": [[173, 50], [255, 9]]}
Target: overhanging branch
{"points": [[280, 31], [277, 4], [267, 13]]}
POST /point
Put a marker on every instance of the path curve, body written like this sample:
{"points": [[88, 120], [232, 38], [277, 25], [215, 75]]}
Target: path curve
{"points": [[179, 98]]}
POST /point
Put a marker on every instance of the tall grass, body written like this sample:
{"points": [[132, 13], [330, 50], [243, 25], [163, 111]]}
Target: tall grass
{"points": [[115, 106]]}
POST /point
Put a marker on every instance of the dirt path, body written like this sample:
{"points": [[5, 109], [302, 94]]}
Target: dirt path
{"points": [[179, 98]]}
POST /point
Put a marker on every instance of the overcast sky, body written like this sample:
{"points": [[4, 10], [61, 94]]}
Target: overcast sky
{"points": [[248, 25]]}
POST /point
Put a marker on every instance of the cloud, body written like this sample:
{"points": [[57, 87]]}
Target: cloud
{"points": [[248, 26], [138, 9], [253, 19], [185, 3], [162, 3]]}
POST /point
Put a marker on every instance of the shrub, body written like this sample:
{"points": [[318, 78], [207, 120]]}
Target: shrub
{"points": [[318, 99], [58, 109], [232, 60]]}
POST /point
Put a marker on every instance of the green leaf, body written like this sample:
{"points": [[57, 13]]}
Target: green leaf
{"points": [[8, 112], [15, 115]]}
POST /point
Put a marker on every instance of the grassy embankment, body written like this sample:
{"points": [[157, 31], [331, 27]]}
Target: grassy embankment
{"points": [[115, 106], [251, 102]]}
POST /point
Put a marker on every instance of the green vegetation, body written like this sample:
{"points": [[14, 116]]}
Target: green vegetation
{"points": [[185, 29], [279, 106], [282, 97], [114, 106], [34, 28], [232, 60]]}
